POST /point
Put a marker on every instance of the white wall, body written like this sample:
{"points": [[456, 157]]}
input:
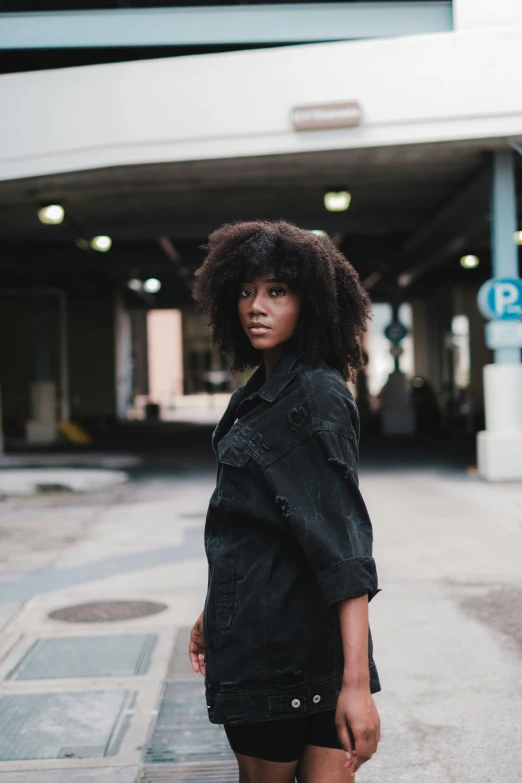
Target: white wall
{"points": [[165, 355], [428, 88], [475, 14]]}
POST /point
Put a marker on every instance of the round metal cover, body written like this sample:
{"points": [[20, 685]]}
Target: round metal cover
{"points": [[107, 611]]}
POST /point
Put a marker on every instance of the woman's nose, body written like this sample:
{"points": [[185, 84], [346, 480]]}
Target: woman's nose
{"points": [[256, 306]]}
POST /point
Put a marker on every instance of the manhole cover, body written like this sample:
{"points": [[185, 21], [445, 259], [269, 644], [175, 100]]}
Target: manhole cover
{"points": [[107, 611]]}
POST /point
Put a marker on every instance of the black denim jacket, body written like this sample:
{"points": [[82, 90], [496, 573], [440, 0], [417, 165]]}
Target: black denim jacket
{"points": [[287, 536]]}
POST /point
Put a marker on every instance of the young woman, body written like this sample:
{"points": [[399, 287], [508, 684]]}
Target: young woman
{"points": [[284, 641]]}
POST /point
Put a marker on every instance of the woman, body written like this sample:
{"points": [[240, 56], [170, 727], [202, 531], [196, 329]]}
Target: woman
{"points": [[284, 641]]}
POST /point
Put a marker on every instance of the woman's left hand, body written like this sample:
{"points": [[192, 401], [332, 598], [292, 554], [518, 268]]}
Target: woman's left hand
{"points": [[356, 709]]}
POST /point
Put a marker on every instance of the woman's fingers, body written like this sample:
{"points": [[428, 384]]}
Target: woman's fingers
{"points": [[366, 744], [197, 649], [194, 653], [344, 739], [364, 748], [377, 724]]}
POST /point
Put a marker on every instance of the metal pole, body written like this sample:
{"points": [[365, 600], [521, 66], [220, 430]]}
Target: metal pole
{"points": [[504, 251], [64, 357]]}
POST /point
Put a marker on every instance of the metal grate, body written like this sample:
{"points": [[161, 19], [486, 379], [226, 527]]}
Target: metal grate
{"points": [[183, 733], [83, 775], [180, 667], [107, 611], [60, 725], [123, 655], [192, 773]]}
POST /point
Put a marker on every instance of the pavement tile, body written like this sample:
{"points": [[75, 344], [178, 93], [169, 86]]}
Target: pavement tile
{"points": [[7, 612]]}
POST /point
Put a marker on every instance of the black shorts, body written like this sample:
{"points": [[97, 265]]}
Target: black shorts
{"points": [[284, 740]]}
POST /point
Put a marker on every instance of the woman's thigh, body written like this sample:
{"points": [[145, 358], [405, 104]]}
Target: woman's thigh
{"points": [[252, 770], [280, 741], [268, 751], [323, 765], [322, 759]]}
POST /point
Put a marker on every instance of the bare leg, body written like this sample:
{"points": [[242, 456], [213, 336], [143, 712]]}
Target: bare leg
{"points": [[252, 770], [323, 765]]}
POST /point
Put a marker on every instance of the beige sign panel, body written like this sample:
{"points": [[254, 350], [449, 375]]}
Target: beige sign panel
{"points": [[326, 115]]}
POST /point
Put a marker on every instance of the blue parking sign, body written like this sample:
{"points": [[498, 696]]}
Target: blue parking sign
{"points": [[501, 298]]}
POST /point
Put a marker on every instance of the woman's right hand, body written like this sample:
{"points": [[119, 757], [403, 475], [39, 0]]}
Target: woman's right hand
{"points": [[197, 646]]}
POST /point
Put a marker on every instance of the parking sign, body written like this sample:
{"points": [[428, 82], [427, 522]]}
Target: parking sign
{"points": [[501, 299]]}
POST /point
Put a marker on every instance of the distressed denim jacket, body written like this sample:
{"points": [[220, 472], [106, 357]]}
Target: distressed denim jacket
{"points": [[287, 537]]}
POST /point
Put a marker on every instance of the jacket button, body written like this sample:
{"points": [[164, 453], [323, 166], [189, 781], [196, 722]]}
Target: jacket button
{"points": [[296, 703], [316, 699]]}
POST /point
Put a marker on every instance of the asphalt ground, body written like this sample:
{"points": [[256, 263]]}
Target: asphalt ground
{"points": [[447, 625]]}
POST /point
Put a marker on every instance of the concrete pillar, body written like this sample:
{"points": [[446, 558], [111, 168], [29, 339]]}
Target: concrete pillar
{"points": [[421, 338], [1, 425], [480, 355], [42, 426], [500, 445], [123, 357]]}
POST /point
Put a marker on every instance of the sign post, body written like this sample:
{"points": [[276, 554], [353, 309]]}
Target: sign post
{"points": [[397, 412], [499, 300]]}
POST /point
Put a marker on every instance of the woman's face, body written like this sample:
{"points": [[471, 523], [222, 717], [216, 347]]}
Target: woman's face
{"points": [[268, 311]]}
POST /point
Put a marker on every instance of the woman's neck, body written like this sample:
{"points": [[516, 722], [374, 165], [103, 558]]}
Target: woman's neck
{"points": [[271, 359]]}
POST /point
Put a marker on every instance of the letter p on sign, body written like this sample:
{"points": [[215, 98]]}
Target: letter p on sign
{"points": [[501, 299], [506, 296]]}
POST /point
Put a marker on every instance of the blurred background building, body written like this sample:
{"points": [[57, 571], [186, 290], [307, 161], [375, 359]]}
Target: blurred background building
{"points": [[129, 133]]}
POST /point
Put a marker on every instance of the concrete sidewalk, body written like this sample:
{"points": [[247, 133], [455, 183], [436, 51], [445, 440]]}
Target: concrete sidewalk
{"points": [[115, 701]]}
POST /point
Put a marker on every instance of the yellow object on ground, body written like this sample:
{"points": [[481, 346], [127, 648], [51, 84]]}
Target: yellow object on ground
{"points": [[74, 433]]}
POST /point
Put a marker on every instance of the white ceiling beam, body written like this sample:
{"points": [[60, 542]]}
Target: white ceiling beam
{"points": [[223, 25]]}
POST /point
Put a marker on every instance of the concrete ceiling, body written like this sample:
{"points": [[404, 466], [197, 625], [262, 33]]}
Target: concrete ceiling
{"points": [[396, 194]]}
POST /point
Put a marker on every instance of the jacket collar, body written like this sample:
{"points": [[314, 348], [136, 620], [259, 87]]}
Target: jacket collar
{"points": [[287, 368]]}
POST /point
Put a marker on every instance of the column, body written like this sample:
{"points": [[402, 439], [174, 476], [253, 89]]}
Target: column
{"points": [[397, 413], [42, 427], [500, 445]]}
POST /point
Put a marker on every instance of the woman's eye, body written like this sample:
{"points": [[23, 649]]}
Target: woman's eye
{"points": [[244, 292], [277, 291]]}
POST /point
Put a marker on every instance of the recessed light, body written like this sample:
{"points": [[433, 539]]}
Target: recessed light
{"points": [[518, 237], [337, 200], [152, 285], [319, 232], [135, 285], [102, 243], [469, 262], [51, 214]]}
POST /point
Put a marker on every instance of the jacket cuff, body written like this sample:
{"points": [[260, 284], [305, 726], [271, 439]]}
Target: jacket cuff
{"points": [[349, 578]]}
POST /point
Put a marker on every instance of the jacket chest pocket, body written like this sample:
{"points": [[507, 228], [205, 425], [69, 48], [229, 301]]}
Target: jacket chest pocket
{"points": [[232, 458]]}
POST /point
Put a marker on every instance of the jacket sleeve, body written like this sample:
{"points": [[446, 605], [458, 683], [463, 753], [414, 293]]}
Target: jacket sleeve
{"points": [[316, 488]]}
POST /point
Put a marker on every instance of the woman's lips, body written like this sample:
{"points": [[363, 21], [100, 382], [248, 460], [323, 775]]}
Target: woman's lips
{"points": [[259, 329]]}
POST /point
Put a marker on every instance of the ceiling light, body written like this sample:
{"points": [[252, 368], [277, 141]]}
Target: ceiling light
{"points": [[152, 285], [337, 200], [135, 285], [469, 262], [101, 244], [51, 215], [518, 237], [319, 232]]}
